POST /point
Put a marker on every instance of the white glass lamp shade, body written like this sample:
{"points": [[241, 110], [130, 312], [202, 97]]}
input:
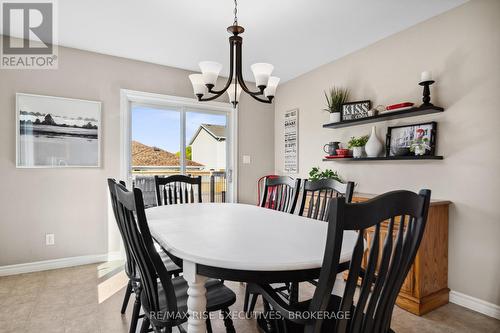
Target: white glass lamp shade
{"points": [[210, 71], [199, 87], [272, 84], [261, 72], [230, 92]]}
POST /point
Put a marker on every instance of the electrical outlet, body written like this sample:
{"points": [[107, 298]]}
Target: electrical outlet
{"points": [[50, 239]]}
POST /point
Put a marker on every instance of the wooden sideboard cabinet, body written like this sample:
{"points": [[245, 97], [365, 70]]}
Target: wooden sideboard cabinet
{"points": [[426, 285]]}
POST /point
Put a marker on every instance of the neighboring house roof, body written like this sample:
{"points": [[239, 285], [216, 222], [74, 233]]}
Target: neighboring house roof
{"points": [[218, 132], [143, 155]]}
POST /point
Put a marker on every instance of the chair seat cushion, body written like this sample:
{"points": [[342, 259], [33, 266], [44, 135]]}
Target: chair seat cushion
{"points": [[218, 295]]}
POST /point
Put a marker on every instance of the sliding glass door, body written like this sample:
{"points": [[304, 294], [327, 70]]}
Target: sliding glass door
{"points": [[206, 138], [155, 147], [169, 139]]}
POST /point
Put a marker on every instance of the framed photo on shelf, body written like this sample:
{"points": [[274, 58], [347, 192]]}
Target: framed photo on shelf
{"points": [[57, 132], [401, 140], [355, 110]]}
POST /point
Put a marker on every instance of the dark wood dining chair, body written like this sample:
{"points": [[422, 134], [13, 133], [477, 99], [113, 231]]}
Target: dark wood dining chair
{"points": [[163, 298], [177, 189], [387, 265], [317, 195], [315, 202], [281, 193], [134, 281]]}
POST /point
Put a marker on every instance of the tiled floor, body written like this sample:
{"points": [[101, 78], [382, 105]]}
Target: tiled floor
{"points": [[88, 299]]}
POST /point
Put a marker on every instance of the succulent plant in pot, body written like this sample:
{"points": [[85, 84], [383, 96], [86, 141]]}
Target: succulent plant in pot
{"points": [[357, 145], [335, 97]]}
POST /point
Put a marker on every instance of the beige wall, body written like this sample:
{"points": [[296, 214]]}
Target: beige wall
{"points": [[256, 133], [462, 48], [72, 202]]}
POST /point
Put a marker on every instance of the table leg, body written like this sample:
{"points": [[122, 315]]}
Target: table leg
{"points": [[197, 299]]}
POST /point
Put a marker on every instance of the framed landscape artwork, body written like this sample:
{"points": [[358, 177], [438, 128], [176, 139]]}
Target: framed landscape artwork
{"points": [[56, 132]]}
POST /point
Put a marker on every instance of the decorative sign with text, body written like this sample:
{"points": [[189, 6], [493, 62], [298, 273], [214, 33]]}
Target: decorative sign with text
{"points": [[355, 110], [291, 130]]}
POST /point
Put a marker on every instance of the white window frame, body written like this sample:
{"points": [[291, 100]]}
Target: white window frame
{"points": [[183, 104]]}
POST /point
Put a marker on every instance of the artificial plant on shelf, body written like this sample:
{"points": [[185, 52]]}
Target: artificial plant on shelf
{"points": [[335, 97], [357, 145], [317, 174], [419, 146]]}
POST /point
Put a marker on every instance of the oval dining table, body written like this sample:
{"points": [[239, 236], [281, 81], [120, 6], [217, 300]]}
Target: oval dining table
{"points": [[239, 242]]}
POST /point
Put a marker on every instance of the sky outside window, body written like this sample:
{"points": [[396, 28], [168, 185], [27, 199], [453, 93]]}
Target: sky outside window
{"points": [[161, 127]]}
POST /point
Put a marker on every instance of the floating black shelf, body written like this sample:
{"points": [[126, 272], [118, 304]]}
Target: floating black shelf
{"points": [[413, 112], [385, 158]]}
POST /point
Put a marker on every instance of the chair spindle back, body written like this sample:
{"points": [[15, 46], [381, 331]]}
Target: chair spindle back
{"points": [[132, 214], [318, 194], [177, 189], [281, 193], [388, 263]]}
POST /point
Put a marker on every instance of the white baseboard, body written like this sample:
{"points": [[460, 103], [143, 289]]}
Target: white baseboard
{"points": [[475, 304], [58, 263], [112, 256]]}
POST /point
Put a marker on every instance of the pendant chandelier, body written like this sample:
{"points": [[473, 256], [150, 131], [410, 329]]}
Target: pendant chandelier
{"points": [[204, 83]]}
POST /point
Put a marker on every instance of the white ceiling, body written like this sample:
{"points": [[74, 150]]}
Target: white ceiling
{"points": [[294, 35]]}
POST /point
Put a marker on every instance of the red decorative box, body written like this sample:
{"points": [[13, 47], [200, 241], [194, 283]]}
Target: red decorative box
{"points": [[399, 106], [332, 157]]}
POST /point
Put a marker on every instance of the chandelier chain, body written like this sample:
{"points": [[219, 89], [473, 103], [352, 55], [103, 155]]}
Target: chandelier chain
{"points": [[235, 13]]}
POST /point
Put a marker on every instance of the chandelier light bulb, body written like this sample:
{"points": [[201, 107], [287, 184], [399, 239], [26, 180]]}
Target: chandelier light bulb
{"points": [[199, 87], [210, 71], [261, 72], [230, 93], [272, 84]]}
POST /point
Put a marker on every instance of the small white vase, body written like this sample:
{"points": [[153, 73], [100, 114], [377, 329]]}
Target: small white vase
{"points": [[374, 146], [357, 152], [334, 117]]}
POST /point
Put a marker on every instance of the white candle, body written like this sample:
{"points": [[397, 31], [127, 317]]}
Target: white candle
{"points": [[426, 76]]}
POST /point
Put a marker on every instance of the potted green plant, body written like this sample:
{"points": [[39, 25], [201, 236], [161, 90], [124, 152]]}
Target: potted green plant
{"points": [[419, 146], [335, 97], [317, 174], [357, 145]]}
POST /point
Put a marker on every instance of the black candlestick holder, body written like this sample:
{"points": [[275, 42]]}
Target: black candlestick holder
{"points": [[427, 92]]}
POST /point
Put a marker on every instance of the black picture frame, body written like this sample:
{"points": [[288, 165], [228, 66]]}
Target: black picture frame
{"points": [[355, 114], [392, 150]]}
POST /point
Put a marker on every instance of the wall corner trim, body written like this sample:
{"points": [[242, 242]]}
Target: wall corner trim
{"points": [[475, 304], [58, 263]]}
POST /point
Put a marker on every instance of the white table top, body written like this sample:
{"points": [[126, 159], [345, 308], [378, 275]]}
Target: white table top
{"points": [[243, 237]]}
